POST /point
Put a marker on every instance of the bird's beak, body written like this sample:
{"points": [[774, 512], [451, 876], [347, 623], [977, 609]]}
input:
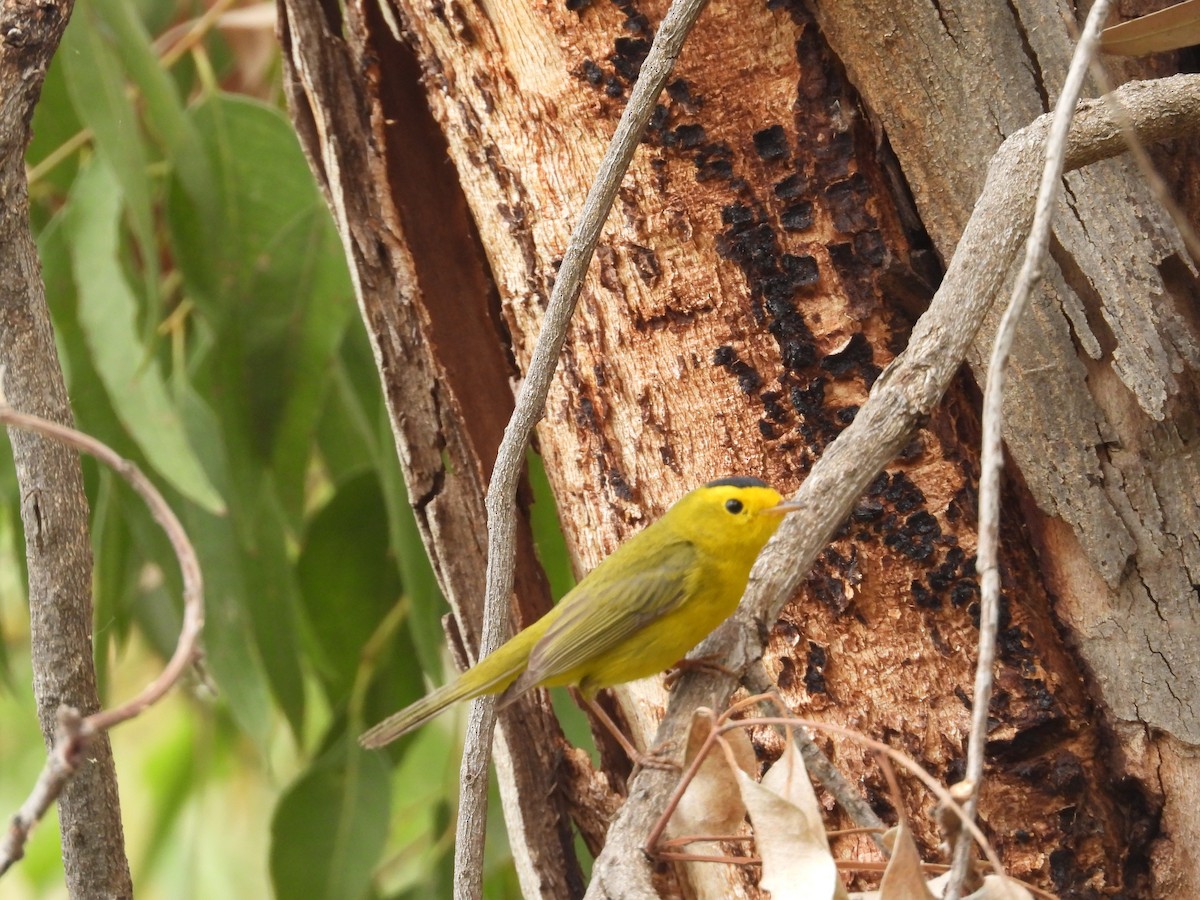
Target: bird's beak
{"points": [[784, 507]]}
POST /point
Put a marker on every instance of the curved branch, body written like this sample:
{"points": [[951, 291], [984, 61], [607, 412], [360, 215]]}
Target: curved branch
{"points": [[901, 398], [74, 731]]}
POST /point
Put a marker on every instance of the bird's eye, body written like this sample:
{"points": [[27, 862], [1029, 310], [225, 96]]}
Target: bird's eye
{"points": [[734, 506]]}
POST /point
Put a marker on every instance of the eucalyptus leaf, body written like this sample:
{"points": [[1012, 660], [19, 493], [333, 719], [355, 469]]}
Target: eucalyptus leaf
{"points": [[107, 313], [330, 827]]}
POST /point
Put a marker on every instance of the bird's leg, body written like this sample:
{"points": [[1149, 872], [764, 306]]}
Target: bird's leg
{"points": [[712, 663], [650, 760]]}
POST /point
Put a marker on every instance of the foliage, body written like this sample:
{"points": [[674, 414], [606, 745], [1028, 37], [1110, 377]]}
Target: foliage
{"points": [[208, 331]]}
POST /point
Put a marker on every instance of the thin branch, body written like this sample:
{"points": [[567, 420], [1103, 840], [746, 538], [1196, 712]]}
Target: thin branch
{"points": [[530, 407], [901, 398], [992, 462], [829, 776], [74, 732]]}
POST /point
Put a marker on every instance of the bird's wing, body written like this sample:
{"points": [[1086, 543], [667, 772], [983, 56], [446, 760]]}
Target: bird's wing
{"points": [[600, 617]]}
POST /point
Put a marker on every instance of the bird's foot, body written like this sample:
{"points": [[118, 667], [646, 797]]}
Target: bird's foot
{"points": [[711, 663]]}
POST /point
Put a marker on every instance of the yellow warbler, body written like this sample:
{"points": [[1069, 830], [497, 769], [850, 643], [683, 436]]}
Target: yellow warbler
{"points": [[637, 613]]}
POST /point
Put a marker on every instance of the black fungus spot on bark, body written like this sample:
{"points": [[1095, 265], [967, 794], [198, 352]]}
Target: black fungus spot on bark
{"points": [[585, 416], [748, 379], [578, 5], [619, 485], [771, 143], [867, 511], [592, 73], [775, 411], [629, 56], [689, 137], [846, 415], [868, 247], [856, 354], [658, 118], [667, 454], [846, 202], [915, 538], [902, 494], [680, 91], [829, 590], [942, 577], [924, 597], [767, 429], [1011, 642], [814, 672], [808, 401], [637, 23], [714, 162], [797, 216], [737, 214], [878, 485], [612, 87], [800, 271], [791, 187]]}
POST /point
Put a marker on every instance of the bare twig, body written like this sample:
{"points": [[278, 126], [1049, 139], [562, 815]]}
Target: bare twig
{"points": [[816, 762], [900, 399], [992, 463], [530, 406], [73, 731]]}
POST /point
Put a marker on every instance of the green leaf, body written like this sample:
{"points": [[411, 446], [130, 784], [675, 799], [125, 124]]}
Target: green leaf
{"points": [[107, 312], [330, 827], [548, 538], [427, 606], [164, 112], [96, 83], [271, 597], [348, 579], [269, 279], [230, 650]]}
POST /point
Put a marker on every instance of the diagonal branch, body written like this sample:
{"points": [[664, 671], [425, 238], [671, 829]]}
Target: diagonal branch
{"points": [[902, 397]]}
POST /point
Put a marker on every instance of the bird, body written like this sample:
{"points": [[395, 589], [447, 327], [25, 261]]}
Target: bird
{"points": [[634, 615]]}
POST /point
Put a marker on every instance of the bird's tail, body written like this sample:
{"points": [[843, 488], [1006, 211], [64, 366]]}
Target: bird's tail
{"points": [[490, 676]]}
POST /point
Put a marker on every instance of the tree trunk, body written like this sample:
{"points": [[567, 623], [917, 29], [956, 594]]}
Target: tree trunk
{"points": [[53, 506], [763, 264]]}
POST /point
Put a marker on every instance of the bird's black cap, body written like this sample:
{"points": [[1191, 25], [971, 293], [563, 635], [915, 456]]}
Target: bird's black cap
{"points": [[737, 481]]}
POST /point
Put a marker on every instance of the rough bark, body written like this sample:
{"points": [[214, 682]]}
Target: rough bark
{"points": [[1105, 375], [761, 268], [53, 506], [430, 308]]}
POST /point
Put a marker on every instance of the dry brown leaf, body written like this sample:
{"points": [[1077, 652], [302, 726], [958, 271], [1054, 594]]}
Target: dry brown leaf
{"points": [[904, 879], [712, 803], [789, 832], [1168, 29]]}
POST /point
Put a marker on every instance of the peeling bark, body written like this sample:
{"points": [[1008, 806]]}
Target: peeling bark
{"points": [[1104, 372]]}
